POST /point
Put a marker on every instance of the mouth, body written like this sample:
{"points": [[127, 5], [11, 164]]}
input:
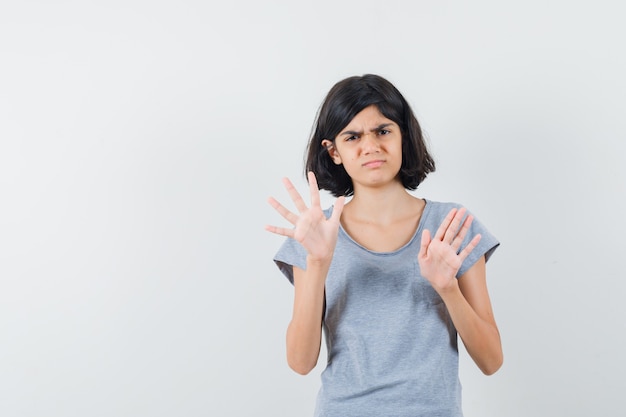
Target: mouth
{"points": [[373, 164]]}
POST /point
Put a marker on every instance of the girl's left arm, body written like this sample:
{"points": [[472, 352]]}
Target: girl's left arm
{"points": [[470, 309], [466, 298]]}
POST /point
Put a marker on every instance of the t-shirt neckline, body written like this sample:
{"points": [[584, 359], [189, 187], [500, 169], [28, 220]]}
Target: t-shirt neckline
{"points": [[417, 233]]}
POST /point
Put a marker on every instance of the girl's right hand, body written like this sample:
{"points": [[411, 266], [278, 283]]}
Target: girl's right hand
{"points": [[316, 233]]}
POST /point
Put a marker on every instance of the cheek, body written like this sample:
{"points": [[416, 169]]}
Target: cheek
{"points": [[399, 150]]}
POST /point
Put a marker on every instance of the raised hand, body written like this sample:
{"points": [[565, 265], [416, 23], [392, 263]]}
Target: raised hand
{"points": [[440, 258], [315, 233]]}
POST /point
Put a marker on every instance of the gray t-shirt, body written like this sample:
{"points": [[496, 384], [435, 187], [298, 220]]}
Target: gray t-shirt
{"points": [[392, 347]]}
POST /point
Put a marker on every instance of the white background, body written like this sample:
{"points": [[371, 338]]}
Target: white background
{"points": [[139, 141]]}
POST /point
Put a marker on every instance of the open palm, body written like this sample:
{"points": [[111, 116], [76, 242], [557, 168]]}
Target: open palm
{"points": [[441, 257], [316, 233]]}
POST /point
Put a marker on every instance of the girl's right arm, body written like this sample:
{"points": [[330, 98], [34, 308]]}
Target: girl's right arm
{"points": [[318, 235], [304, 334]]}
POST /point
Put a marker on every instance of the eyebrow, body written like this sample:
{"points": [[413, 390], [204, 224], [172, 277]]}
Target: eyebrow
{"points": [[377, 128]]}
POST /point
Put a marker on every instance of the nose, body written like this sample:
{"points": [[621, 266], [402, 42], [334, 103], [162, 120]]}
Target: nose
{"points": [[369, 143]]}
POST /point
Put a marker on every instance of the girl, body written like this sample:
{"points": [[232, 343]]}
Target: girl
{"points": [[390, 278]]}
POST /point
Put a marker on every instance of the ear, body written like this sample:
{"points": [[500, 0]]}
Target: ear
{"points": [[332, 151]]}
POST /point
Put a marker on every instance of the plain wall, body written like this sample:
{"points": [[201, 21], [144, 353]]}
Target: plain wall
{"points": [[139, 141]]}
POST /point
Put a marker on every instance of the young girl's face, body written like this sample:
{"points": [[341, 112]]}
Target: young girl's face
{"points": [[369, 147]]}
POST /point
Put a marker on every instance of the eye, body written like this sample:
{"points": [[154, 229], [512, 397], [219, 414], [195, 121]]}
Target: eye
{"points": [[383, 132], [351, 137]]}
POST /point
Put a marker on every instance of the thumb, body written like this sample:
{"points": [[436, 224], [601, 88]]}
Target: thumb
{"points": [[337, 209], [424, 243]]}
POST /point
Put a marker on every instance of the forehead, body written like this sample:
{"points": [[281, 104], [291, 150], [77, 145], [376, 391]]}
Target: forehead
{"points": [[369, 117]]}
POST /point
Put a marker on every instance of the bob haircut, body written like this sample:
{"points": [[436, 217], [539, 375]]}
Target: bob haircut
{"points": [[344, 101]]}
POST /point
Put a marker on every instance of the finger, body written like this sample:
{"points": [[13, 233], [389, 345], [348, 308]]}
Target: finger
{"points": [[295, 196], [279, 231], [444, 225], [453, 229], [314, 189], [424, 243], [470, 247], [338, 209], [288, 215], [458, 240]]}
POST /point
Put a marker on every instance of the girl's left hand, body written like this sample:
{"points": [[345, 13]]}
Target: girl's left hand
{"points": [[440, 258]]}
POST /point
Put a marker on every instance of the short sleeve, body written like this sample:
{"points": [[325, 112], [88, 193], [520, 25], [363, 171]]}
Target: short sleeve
{"points": [[290, 253], [486, 247]]}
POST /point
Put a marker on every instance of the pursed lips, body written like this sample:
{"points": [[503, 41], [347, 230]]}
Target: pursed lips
{"points": [[374, 163]]}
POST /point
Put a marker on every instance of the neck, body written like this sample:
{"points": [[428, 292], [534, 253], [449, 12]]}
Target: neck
{"points": [[381, 205]]}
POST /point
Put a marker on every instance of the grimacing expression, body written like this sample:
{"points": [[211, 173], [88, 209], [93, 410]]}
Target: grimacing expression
{"points": [[369, 148]]}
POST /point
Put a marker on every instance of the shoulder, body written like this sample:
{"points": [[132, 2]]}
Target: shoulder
{"points": [[436, 211], [439, 209], [442, 204]]}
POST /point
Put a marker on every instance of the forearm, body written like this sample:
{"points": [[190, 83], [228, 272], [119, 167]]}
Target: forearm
{"points": [[480, 335], [304, 334]]}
